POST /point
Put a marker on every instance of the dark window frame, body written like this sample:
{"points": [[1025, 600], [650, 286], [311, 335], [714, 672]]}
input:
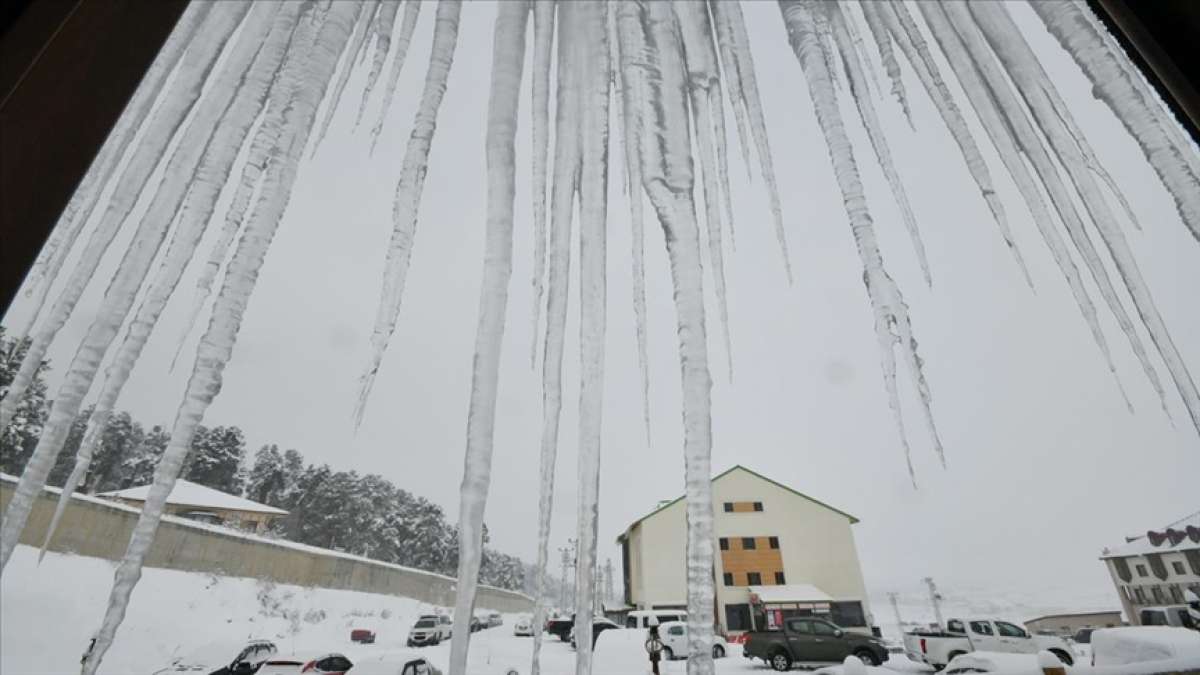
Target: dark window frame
{"points": [[773, 542], [749, 544], [1141, 570], [780, 579], [728, 507], [758, 507], [753, 579], [728, 578], [724, 543]]}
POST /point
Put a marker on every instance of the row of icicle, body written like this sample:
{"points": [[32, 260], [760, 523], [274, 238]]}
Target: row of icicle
{"points": [[253, 75]]}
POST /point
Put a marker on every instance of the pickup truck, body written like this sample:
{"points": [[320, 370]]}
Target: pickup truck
{"points": [[936, 648], [810, 641]]}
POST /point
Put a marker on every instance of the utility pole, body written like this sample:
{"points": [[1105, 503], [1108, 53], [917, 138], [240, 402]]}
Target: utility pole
{"points": [[935, 598], [896, 609], [566, 562]]}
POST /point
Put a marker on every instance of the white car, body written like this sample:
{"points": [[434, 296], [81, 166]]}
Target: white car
{"points": [[396, 663], [963, 636], [308, 663], [523, 625], [1142, 644], [674, 638], [231, 655], [430, 629]]}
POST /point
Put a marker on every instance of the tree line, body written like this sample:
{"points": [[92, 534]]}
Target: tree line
{"points": [[366, 515]]}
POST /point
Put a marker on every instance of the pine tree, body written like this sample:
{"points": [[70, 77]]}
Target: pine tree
{"points": [[266, 480], [121, 438], [216, 458], [138, 467], [20, 438]]}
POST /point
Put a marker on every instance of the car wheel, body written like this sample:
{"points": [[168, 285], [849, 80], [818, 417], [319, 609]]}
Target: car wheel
{"points": [[781, 661], [1063, 656], [867, 657], [667, 654], [718, 652]]}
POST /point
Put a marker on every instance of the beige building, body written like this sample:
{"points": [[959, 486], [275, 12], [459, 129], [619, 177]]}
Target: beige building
{"points": [[1069, 624], [1154, 569], [206, 505], [780, 553]]}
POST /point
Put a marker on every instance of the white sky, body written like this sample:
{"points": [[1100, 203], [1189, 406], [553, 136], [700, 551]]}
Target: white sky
{"points": [[1045, 466]]}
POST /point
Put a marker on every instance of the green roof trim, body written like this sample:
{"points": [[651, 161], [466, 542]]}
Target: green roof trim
{"points": [[726, 472]]}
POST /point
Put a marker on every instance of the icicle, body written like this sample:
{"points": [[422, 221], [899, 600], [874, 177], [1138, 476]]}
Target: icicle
{"points": [[1034, 85], [131, 272], [177, 102], [701, 62], [668, 180], [730, 16], [1030, 141], [632, 48], [361, 26], [860, 49], [412, 9], [543, 40], [1079, 33], [408, 194], [908, 36], [733, 80], [566, 177], [1001, 136], [892, 324], [883, 42], [385, 19], [305, 80], [193, 216], [866, 110], [82, 203], [508, 58]]}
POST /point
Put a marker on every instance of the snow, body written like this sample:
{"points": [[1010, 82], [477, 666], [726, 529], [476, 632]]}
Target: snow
{"points": [[1137, 644], [791, 593], [187, 493], [1141, 545]]}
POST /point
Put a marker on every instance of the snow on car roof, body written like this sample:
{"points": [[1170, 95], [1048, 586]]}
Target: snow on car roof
{"points": [[187, 493]]}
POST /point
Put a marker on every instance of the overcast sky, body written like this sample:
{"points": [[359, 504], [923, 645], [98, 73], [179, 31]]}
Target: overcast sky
{"points": [[1045, 465]]}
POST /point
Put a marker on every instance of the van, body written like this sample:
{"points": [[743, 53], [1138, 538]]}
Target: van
{"points": [[641, 618]]}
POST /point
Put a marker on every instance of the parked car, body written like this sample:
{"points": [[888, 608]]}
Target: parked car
{"points": [[1170, 615], [812, 641], [308, 663], [674, 638], [362, 635], [223, 658], [396, 663], [937, 648], [494, 619], [561, 626], [599, 625], [477, 623], [523, 625], [641, 618], [429, 630], [1141, 644]]}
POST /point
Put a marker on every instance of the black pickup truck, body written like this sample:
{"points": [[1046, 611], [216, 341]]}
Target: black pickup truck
{"points": [[811, 641]]}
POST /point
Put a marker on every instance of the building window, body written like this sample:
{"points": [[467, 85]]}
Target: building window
{"points": [[729, 578], [724, 544], [1178, 567], [748, 544], [1141, 570], [758, 506], [1139, 595], [779, 578], [753, 579], [728, 507], [847, 614], [774, 541], [1176, 594], [1159, 598], [737, 617]]}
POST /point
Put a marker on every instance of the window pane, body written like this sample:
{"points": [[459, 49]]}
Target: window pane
{"points": [[1141, 570], [1009, 630], [754, 579], [728, 507], [779, 578], [729, 578], [981, 627], [822, 628], [758, 506], [851, 614], [1178, 567], [748, 543], [724, 544], [774, 541], [800, 626], [737, 617]]}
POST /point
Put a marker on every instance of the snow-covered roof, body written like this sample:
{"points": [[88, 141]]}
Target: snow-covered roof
{"points": [[1181, 535], [790, 593], [187, 493]]}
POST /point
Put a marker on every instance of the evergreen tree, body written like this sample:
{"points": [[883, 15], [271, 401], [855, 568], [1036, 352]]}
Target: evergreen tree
{"points": [[216, 458], [138, 467], [266, 480], [119, 442], [66, 459], [18, 441]]}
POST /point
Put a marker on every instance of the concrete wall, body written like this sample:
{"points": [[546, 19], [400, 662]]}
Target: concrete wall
{"points": [[101, 529]]}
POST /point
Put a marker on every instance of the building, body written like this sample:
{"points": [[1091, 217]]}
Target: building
{"points": [[1154, 569], [781, 553], [1069, 624], [197, 502]]}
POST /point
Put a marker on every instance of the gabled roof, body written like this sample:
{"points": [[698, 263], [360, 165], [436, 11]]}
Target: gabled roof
{"points": [[187, 493], [726, 472], [1185, 538]]}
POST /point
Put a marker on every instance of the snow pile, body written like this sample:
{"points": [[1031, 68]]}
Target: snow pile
{"points": [[1138, 644]]}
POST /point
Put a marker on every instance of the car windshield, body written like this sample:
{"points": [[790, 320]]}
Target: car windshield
{"points": [[425, 623]]}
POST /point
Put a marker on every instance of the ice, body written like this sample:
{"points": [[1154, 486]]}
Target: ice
{"points": [[883, 42], [543, 41], [408, 194], [385, 19], [295, 97], [508, 59], [408, 22], [362, 25]]}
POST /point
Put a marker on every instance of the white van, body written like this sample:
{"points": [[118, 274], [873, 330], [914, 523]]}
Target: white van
{"points": [[641, 618]]}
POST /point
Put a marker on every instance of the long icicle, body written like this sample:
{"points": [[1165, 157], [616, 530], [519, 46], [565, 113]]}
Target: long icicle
{"points": [[892, 323], [362, 27], [906, 33], [632, 50], [385, 20], [668, 179], [1030, 141], [566, 159], [408, 194], [866, 110], [508, 59], [408, 22], [729, 14], [1033, 83], [194, 215], [178, 101], [1078, 32], [305, 81], [130, 273], [543, 40], [591, 39], [999, 132], [883, 43]]}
